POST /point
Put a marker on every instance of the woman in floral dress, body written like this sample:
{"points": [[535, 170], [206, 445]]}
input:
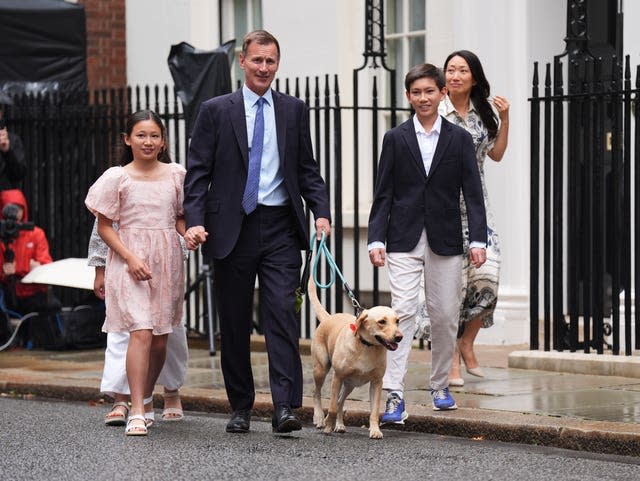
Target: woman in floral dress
{"points": [[487, 120]]}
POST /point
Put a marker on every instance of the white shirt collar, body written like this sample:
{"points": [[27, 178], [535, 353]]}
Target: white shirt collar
{"points": [[419, 128]]}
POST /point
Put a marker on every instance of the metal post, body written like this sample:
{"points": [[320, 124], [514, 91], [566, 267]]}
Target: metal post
{"points": [[208, 289]]}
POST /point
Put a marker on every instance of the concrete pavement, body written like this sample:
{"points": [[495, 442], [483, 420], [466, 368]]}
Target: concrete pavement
{"points": [[526, 396]]}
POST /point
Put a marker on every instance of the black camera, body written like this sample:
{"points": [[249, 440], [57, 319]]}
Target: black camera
{"points": [[10, 227]]}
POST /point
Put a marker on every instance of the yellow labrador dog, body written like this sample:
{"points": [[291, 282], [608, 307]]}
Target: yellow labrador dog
{"points": [[356, 349]]}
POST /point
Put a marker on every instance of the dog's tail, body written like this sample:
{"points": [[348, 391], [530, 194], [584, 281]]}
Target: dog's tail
{"points": [[321, 312]]}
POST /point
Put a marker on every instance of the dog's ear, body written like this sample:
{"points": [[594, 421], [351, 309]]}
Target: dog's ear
{"points": [[360, 319]]}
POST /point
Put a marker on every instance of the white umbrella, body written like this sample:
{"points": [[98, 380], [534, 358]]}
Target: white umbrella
{"points": [[71, 272]]}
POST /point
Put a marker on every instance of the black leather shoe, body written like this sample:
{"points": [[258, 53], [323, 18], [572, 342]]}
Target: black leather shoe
{"points": [[284, 421], [239, 422]]}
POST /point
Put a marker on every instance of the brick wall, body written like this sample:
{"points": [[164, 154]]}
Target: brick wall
{"points": [[106, 43]]}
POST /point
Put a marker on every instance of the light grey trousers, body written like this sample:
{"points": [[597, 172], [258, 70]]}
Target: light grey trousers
{"points": [[443, 294]]}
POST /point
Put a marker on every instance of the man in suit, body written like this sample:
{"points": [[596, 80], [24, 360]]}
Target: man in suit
{"points": [[250, 165], [425, 164]]}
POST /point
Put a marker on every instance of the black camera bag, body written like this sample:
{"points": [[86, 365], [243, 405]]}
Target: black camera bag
{"points": [[76, 328]]}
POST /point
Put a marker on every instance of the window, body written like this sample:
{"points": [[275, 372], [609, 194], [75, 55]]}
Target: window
{"points": [[405, 33], [238, 18]]}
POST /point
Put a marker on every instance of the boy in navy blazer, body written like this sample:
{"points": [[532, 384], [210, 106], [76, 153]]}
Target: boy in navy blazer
{"points": [[427, 174]]}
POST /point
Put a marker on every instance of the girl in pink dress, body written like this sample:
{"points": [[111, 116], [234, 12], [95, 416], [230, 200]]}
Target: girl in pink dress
{"points": [[144, 275]]}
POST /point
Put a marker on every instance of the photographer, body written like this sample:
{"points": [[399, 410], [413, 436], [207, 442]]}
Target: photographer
{"points": [[23, 247], [12, 161]]}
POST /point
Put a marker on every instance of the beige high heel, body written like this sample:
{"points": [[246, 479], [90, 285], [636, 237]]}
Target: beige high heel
{"points": [[474, 371]]}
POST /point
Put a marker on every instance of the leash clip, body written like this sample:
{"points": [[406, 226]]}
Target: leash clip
{"points": [[322, 249]]}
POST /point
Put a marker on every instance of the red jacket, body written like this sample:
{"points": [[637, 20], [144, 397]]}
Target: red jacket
{"points": [[30, 244]]}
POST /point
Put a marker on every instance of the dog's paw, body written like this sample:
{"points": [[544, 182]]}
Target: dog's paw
{"points": [[327, 430], [340, 428], [318, 421], [375, 434]]}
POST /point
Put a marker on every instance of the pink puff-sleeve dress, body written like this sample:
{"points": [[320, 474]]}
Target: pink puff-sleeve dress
{"points": [[146, 211]]}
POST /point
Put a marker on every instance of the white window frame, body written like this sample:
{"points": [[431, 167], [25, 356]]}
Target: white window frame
{"points": [[228, 15], [404, 36]]}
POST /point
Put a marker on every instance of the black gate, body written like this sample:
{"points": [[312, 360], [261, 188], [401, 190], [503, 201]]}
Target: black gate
{"points": [[585, 206]]}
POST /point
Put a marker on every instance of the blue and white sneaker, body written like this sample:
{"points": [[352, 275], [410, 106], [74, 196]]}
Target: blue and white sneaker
{"points": [[442, 400], [394, 412]]}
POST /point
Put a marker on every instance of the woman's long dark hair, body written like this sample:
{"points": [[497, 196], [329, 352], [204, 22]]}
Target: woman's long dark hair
{"points": [[480, 91], [126, 155]]}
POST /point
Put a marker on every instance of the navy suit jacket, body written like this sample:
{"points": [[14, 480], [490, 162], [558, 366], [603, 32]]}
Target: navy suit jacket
{"points": [[218, 164], [406, 199]]}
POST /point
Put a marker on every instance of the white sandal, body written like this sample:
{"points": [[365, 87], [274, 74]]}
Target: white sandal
{"points": [[172, 414], [115, 416], [135, 428], [149, 416]]}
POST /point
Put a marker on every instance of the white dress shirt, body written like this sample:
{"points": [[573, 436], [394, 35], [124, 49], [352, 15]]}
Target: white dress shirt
{"points": [[271, 190]]}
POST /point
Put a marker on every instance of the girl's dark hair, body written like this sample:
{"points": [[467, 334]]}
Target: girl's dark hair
{"points": [[126, 155], [480, 91]]}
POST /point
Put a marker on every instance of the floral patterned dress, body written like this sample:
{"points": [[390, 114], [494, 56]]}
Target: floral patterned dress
{"points": [[480, 286], [146, 212]]}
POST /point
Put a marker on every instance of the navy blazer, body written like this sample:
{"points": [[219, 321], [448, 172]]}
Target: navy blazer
{"points": [[218, 164], [406, 199]]}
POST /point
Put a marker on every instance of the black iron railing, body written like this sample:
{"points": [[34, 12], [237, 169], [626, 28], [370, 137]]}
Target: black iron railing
{"points": [[585, 207], [70, 139]]}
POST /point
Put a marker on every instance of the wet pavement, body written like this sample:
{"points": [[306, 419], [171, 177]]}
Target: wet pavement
{"points": [[551, 402]]}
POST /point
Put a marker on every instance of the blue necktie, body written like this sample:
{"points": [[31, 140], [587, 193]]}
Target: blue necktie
{"points": [[250, 197]]}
